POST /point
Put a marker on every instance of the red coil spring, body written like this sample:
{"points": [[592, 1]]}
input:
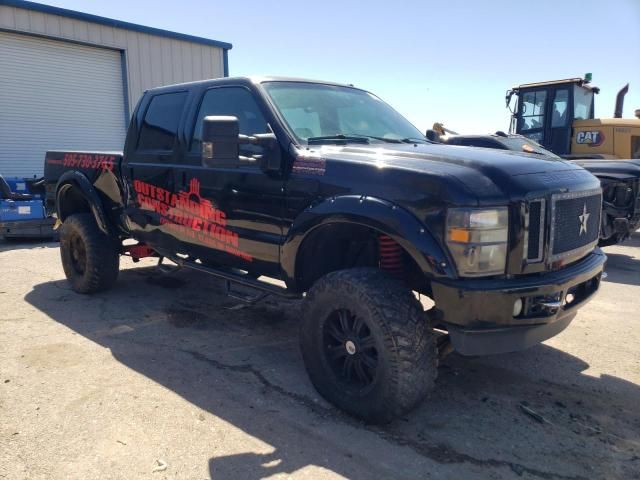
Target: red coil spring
{"points": [[390, 255]]}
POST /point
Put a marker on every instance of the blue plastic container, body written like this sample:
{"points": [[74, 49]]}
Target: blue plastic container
{"points": [[14, 210], [17, 184], [21, 185]]}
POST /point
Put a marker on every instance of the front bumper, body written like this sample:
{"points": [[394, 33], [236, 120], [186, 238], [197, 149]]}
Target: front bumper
{"points": [[478, 313]]}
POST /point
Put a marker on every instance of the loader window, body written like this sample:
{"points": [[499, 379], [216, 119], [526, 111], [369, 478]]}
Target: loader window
{"points": [[582, 100], [532, 113], [560, 108], [635, 147]]}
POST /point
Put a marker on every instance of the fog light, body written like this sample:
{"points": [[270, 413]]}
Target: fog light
{"points": [[569, 298], [517, 307]]}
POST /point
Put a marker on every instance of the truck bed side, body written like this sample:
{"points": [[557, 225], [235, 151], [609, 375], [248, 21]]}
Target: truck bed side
{"points": [[84, 175]]}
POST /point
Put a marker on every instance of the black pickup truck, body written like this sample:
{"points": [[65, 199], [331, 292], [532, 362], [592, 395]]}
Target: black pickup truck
{"points": [[327, 188]]}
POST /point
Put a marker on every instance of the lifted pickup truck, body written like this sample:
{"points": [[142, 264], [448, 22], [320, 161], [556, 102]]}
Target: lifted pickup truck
{"points": [[330, 190]]}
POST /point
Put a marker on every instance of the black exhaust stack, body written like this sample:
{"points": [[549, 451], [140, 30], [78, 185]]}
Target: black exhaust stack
{"points": [[620, 101]]}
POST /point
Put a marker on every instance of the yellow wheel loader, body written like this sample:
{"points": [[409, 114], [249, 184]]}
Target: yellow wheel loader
{"points": [[559, 115]]}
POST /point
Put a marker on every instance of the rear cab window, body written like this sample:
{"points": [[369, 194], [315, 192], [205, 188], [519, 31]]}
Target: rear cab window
{"points": [[160, 124]]}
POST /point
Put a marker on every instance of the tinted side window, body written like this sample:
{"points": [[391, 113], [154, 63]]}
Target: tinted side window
{"points": [[235, 101], [160, 124]]}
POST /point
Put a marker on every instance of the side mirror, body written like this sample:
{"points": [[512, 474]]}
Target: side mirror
{"points": [[271, 158], [221, 142], [433, 136]]}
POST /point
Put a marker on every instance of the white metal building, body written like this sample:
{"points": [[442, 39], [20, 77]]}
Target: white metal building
{"points": [[70, 79]]}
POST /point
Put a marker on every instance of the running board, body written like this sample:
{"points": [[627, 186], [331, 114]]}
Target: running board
{"points": [[233, 278], [248, 299]]}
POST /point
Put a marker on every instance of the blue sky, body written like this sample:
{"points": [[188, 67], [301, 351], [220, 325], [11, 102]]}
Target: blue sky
{"points": [[449, 61]]}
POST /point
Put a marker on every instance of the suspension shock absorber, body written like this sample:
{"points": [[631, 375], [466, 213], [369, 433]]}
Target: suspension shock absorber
{"points": [[390, 254]]}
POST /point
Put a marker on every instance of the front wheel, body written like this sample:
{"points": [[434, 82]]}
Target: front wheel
{"points": [[366, 344], [90, 258]]}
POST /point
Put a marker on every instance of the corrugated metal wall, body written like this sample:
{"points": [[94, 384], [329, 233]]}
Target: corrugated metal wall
{"points": [[151, 60]]}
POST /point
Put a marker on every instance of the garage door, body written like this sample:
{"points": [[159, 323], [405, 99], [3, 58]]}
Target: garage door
{"points": [[56, 95]]}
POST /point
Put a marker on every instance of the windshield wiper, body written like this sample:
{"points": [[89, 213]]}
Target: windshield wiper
{"points": [[353, 137], [382, 139], [414, 140], [341, 138]]}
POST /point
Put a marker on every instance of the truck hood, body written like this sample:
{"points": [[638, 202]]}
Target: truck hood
{"points": [[486, 173]]}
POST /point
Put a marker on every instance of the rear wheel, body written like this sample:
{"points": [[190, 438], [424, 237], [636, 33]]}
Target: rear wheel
{"points": [[90, 258], [366, 344]]}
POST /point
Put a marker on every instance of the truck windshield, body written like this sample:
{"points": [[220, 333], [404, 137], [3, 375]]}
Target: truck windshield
{"points": [[317, 113]]}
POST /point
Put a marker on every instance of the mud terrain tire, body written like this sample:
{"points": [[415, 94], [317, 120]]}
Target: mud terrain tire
{"points": [[366, 344], [90, 258]]}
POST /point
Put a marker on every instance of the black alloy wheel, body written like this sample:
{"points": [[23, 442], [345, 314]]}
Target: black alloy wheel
{"points": [[350, 349]]}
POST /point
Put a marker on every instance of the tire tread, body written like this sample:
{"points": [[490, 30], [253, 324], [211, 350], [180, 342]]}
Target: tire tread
{"points": [[103, 257], [406, 334]]}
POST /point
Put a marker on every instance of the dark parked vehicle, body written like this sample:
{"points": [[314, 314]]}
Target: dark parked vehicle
{"points": [[328, 189], [620, 180]]}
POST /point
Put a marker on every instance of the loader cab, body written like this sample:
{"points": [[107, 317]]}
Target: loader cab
{"points": [[545, 111]]}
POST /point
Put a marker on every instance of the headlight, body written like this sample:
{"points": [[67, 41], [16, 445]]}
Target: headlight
{"points": [[477, 239]]}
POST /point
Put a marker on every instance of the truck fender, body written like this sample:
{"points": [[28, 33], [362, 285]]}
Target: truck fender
{"points": [[75, 179], [381, 215]]}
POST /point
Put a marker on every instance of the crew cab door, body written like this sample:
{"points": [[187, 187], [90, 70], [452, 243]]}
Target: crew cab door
{"points": [[151, 158], [239, 221]]}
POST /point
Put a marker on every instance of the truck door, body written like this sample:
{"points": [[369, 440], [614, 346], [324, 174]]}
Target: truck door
{"points": [[150, 160], [236, 210]]}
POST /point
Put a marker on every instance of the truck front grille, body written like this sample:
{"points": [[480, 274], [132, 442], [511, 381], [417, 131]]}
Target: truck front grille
{"points": [[575, 223]]}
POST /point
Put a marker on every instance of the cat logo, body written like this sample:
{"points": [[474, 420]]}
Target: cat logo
{"points": [[592, 138]]}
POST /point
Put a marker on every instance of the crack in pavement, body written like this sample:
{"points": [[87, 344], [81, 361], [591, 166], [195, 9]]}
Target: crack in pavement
{"points": [[438, 453]]}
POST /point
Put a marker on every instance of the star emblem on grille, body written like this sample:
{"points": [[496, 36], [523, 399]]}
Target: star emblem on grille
{"points": [[584, 218]]}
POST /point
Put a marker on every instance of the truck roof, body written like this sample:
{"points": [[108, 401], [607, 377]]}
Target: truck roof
{"points": [[248, 79]]}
